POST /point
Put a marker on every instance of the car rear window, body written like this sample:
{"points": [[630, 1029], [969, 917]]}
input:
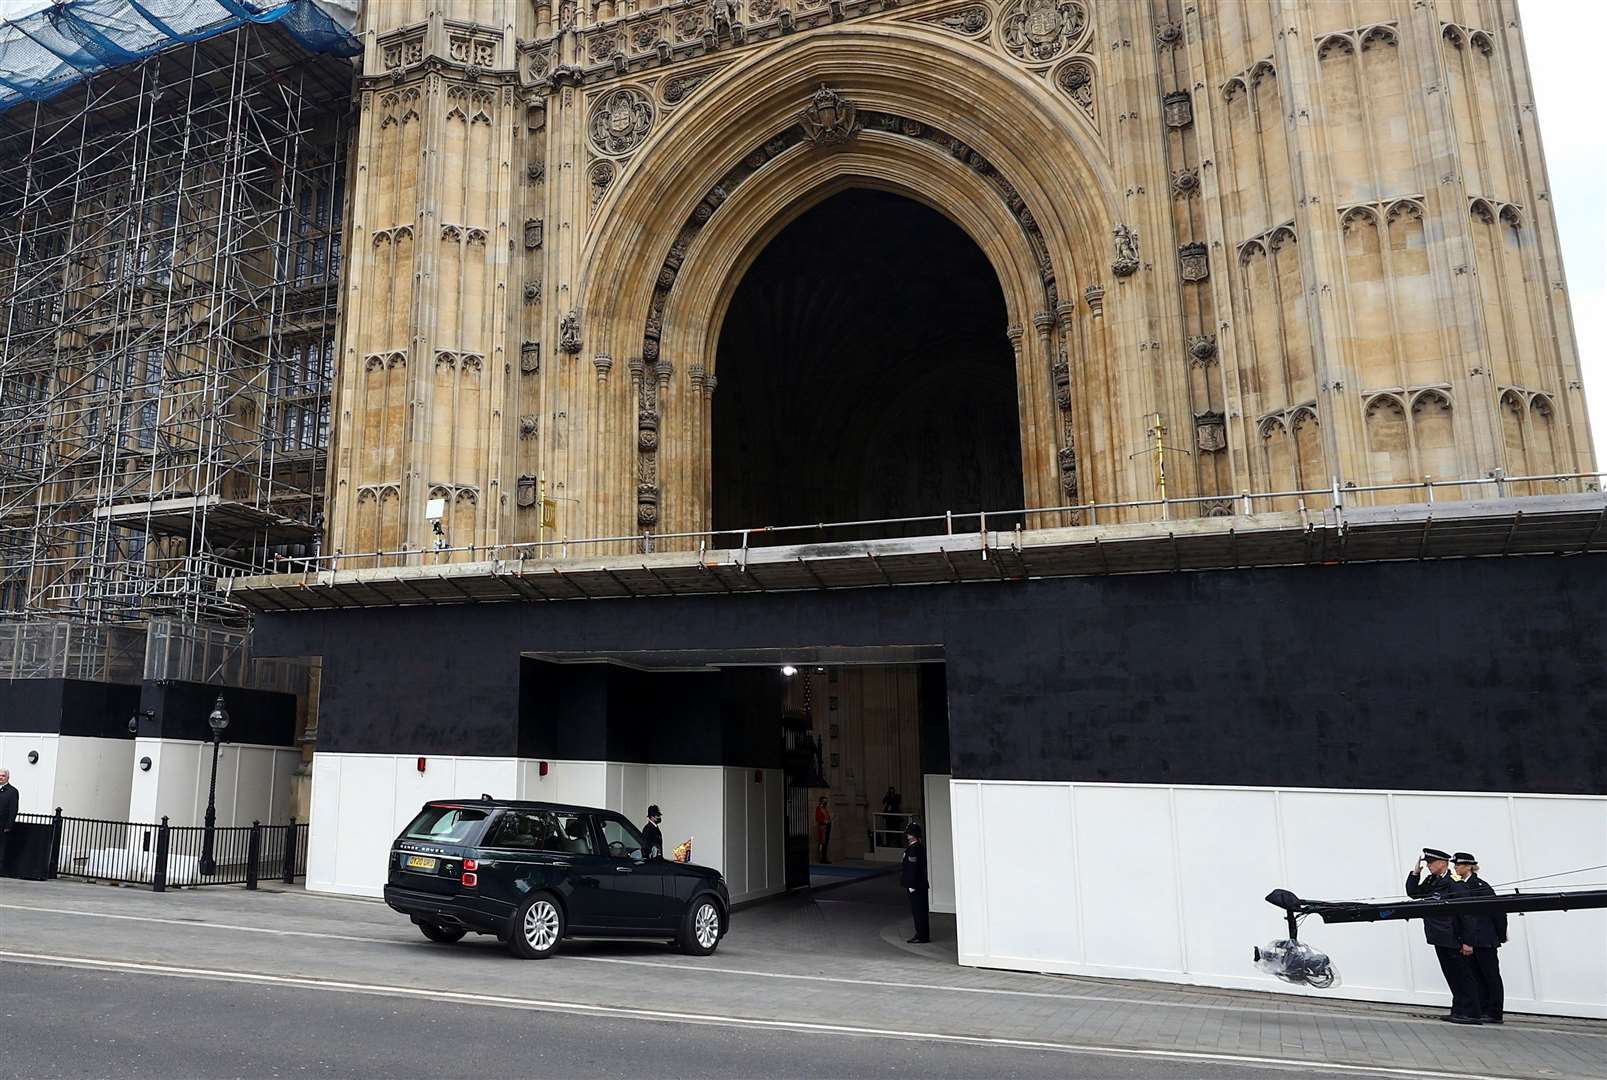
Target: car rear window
{"points": [[447, 824]]}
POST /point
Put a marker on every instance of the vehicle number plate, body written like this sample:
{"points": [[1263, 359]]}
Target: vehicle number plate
{"points": [[420, 862]]}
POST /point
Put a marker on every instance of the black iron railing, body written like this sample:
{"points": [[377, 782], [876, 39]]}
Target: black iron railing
{"points": [[165, 856]]}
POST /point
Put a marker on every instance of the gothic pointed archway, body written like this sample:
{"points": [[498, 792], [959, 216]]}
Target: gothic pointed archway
{"points": [[683, 224], [865, 373]]}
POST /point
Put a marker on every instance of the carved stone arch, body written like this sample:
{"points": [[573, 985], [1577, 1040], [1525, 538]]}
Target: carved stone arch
{"points": [[1482, 212], [1403, 208], [1234, 86], [1452, 35], [1384, 399], [1260, 71], [1251, 248], [1381, 34], [1511, 216], [1389, 439], [1481, 41], [1336, 44], [1433, 396], [1283, 234], [1042, 220], [1359, 214], [1271, 427]]}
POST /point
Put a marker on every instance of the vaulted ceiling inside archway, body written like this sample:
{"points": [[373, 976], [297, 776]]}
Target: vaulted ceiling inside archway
{"points": [[865, 373]]}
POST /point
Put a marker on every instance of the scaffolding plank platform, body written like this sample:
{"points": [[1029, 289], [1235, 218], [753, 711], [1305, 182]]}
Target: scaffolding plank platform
{"points": [[1541, 524], [220, 520]]}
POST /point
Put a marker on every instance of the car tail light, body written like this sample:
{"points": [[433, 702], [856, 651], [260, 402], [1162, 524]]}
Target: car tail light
{"points": [[470, 864], [470, 878]]}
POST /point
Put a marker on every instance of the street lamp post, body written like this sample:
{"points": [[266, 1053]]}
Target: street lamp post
{"points": [[218, 720]]}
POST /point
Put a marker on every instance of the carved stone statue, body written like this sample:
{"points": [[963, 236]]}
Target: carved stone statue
{"points": [[1126, 263], [569, 333]]}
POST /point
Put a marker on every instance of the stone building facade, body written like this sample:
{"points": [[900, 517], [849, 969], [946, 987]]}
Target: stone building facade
{"points": [[1292, 244]]}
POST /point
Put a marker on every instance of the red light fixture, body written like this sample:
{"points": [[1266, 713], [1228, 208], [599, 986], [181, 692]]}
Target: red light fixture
{"points": [[541, 768], [421, 765], [470, 878]]}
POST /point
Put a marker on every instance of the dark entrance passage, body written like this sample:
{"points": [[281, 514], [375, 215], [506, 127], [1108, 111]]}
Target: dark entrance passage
{"points": [[865, 373], [750, 752]]}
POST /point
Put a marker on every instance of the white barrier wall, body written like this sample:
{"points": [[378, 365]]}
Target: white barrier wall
{"points": [[360, 802], [939, 841], [253, 782], [86, 777], [1167, 883]]}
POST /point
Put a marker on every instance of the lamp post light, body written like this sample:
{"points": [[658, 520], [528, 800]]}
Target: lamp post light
{"points": [[218, 720]]}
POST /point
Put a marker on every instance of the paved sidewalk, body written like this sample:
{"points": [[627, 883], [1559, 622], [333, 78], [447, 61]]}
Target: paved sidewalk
{"points": [[836, 958]]}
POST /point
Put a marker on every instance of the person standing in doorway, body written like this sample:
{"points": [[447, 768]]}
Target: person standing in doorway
{"points": [[913, 876], [823, 829], [1481, 936], [652, 835], [8, 812], [1440, 932]]}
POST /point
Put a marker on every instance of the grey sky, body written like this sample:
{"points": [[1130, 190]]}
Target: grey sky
{"points": [[1562, 60]]}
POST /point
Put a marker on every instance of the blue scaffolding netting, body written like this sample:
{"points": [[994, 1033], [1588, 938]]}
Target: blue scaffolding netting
{"points": [[46, 51]]}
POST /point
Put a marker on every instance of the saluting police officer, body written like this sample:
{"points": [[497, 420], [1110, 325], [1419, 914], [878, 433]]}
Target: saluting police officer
{"points": [[913, 876], [1440, 932], [1481, 936]]}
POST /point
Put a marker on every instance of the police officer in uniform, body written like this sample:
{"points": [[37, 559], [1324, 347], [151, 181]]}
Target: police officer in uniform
{"points": [[1481, 936], [1440, 931], [652, 836], [913, 877]]}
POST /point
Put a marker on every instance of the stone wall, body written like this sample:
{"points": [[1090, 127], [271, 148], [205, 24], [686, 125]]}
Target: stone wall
{"points": [[1287, 242]]}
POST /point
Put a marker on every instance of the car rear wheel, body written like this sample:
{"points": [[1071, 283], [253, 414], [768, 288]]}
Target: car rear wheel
{"points": [[700, 930], [537, 928], [446, 935]]}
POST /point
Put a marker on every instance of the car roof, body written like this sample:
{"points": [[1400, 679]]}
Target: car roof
{"points": [[520, 804]]}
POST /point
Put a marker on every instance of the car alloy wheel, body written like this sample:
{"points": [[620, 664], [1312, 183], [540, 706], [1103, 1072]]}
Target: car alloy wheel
{"points": [[706, 925], [541, 925]]}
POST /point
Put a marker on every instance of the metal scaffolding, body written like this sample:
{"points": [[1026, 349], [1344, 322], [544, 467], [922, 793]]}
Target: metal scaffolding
{"points": [[170, 253]]}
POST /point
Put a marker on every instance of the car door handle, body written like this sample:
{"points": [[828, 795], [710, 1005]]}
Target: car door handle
{"points": [[623, 870]]}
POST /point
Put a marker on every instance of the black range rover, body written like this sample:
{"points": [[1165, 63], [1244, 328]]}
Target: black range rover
{"points": [[534, 873]]}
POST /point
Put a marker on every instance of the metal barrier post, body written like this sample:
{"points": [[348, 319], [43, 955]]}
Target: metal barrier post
{"points": [[55, 845], [253, 854], [290, 853], [159, 872]]}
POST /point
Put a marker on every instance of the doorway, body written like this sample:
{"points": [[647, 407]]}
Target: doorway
{"points": [[865, 373]]}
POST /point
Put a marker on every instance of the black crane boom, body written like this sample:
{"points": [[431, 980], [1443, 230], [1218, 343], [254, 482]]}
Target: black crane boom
{"points": [[1355, 911]]}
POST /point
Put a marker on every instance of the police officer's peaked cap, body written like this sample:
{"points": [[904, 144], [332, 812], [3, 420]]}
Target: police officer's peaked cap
{"points": [[1463, 857], [913, 829], [1434, 853]]}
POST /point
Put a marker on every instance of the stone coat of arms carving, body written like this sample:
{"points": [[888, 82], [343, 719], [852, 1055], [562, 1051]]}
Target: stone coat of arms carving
{"points": [[829, 119], [1040, 30], [620, 121], [1210, 432]]}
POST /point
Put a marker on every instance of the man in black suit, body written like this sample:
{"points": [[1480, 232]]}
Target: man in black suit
{"points": [[8, 813], [1481, 936], [1440, 932], [913, 876], [652, 835]]}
